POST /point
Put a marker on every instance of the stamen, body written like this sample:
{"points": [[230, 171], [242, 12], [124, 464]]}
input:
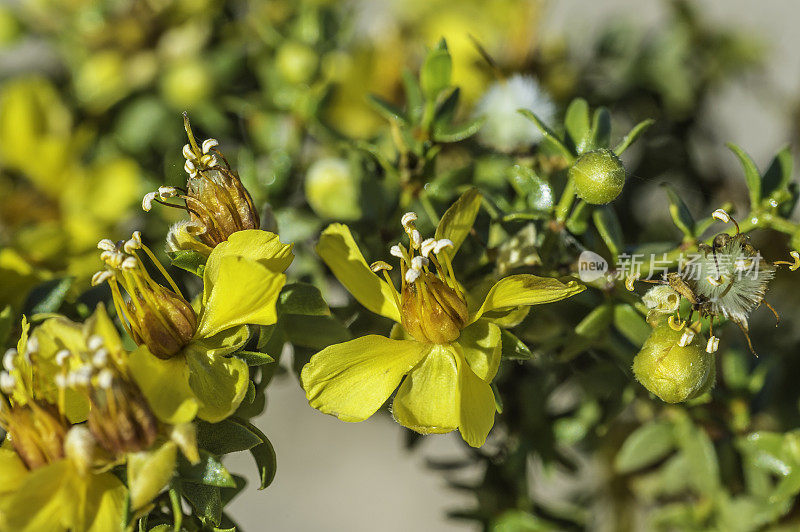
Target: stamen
{"points": [[190, 168], [101, 277], [415, 238], [33, 345], [721, 215], [129, 263], [187, 152], [630, 279], [61, 380], [443, 243], [686, 337], [713, 345], [147, 201], [675, 325], [395, 251], [95, 342], [165, 192], [208, 161], [106, 245], [100, 358], [134, 243], [8, 359], [428, 245], [412, 275], [105, 379], [62, 356], [7, 383], [80, 377], [408, 218], [417, 263], [380, 265], [208, 144]]}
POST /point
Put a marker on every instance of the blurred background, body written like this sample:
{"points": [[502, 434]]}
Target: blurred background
{"points": [[90, 106]]}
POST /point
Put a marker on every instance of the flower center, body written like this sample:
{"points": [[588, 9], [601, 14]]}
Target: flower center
{"points": [[217, 202], [431, 302], [155, 316]]}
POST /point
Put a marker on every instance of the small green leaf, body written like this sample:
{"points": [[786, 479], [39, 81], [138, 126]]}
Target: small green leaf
{"points": [[607, 224], [387, 110], [680, 213], [751, 174], [436, 72], [316, 332], [447, 132], [631, 324], [596, 322], [47, 296], [191, 261], [264, 455], [413, 96], [548, 134], [209, 471], [303, 299], [601, 129], [225, 437], [701, 458], [512, 347], [254, 358], [206, 500], [576, 121], [632, 135], [446, 111], [457, 221], [645, 446], [779, 173]]}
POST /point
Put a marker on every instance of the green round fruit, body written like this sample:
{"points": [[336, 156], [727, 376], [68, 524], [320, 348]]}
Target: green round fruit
{"points": [[599, 176], [674, 373]]}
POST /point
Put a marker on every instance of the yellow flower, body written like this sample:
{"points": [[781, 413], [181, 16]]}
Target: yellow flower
{"points": [[183, 365], [65, 494], [447, 348]]}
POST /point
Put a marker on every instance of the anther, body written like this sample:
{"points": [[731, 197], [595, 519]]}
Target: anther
{"points": [[721, 215], [95, 342], [796, 256], [129, 263], [412, 275], [134, 243], [187, 152], [419, 262], [106, 245], [190, 168], [7, 383], [105, 379], [713, 345], [147, 201], [61, 380], [415, 238], [100, 358], [165, 192], [33, 345], [8, 359], [408, 218], [62, 356], [686, 337], [443, 243], [208, 144], [428, 245], [101, 277], [675, 325], [380, 265], [395, 251], [630, 279]]}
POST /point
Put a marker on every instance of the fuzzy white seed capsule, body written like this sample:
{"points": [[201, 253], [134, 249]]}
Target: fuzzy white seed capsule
{"points": [[95, 342], [412, 275], [713, 345], [208, 144], [147, 201], [62, 356], [443, 243], [187, 152], [721, 215], [408, 218]]}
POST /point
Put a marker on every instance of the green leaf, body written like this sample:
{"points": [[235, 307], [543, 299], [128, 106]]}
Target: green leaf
{"points": [[436, 72], [315, 332], [680, 213], [209, 471], [191, 261], [446, 111], [225, 437], [576, 121], [387, 110], [264, 455], [631, 324], [447, 132], [578, 221], [632, 135], [596, 322], [607, 224], [302, 299], [229, 493], [751, 174], [701, 458], [601, 129], [645, 446], [206, 500], [512, 347], [457, 221], [413, 96], [254, 358], [47, 296], [779, 172], [548, 134]]}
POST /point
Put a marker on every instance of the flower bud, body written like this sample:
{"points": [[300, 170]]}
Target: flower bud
{"points": [[598, 176], [432, 311], [674, 373], [120, 419]]}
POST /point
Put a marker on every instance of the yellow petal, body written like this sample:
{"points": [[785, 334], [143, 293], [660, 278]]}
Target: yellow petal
{"points": [[219, 383], [40, 503], [253, 244], [428, 400], [12, 470], [101, 325], [105, 503], [222, 343], [524, 289], [238, 291], [149, 472], [353, 379], [457, 221], [477, 407], [339, 251], [480, 346], [165, 385]]}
